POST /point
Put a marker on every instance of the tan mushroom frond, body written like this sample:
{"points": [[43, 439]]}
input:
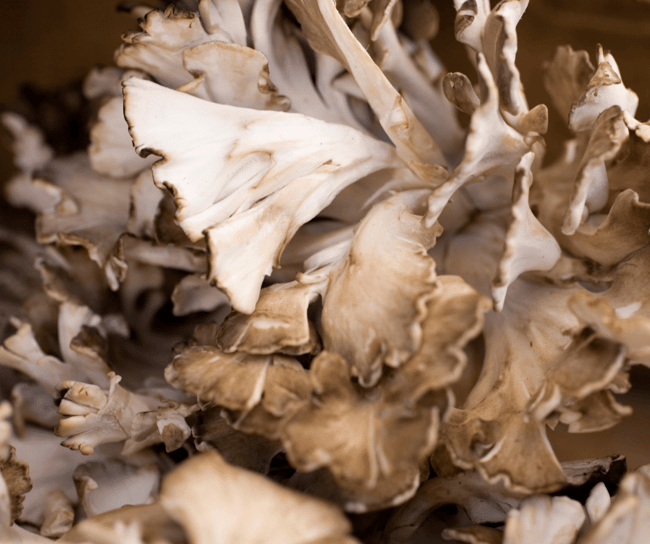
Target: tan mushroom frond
{"points": [[258, 391], [232, 74], [605, 89], [533, 369], [15, 476], [626, 519], [492, 147], [279, 322], [544, 520], [385, 281], [528, 246], [372, 445], [205, 500], [93, 416], [80, 337], [590, 192], [328, 33], [157, 49], [566, 77], [251, 187]]}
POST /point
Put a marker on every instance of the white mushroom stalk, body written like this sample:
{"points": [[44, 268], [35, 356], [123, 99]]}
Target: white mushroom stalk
{"points": [[283, 286]]}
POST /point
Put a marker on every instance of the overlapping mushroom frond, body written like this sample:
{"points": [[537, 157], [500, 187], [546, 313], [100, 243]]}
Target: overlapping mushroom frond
{"points": [[292, 183], [205, 500]]}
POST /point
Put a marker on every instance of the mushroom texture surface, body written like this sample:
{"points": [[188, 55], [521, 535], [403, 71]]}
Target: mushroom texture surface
{"points": [[302, 284]]}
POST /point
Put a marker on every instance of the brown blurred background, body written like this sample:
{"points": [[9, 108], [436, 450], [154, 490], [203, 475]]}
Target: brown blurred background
{"points": [[51, 43], [54, 42]]}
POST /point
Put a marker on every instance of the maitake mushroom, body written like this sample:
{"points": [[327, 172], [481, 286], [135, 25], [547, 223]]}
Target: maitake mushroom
{"points": [[283, 258]]}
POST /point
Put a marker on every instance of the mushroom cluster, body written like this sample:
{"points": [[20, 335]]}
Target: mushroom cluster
{"points": [[306, 287]]}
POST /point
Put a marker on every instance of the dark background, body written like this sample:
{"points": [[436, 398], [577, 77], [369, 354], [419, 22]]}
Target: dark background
{"points": [[51, 43]]}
